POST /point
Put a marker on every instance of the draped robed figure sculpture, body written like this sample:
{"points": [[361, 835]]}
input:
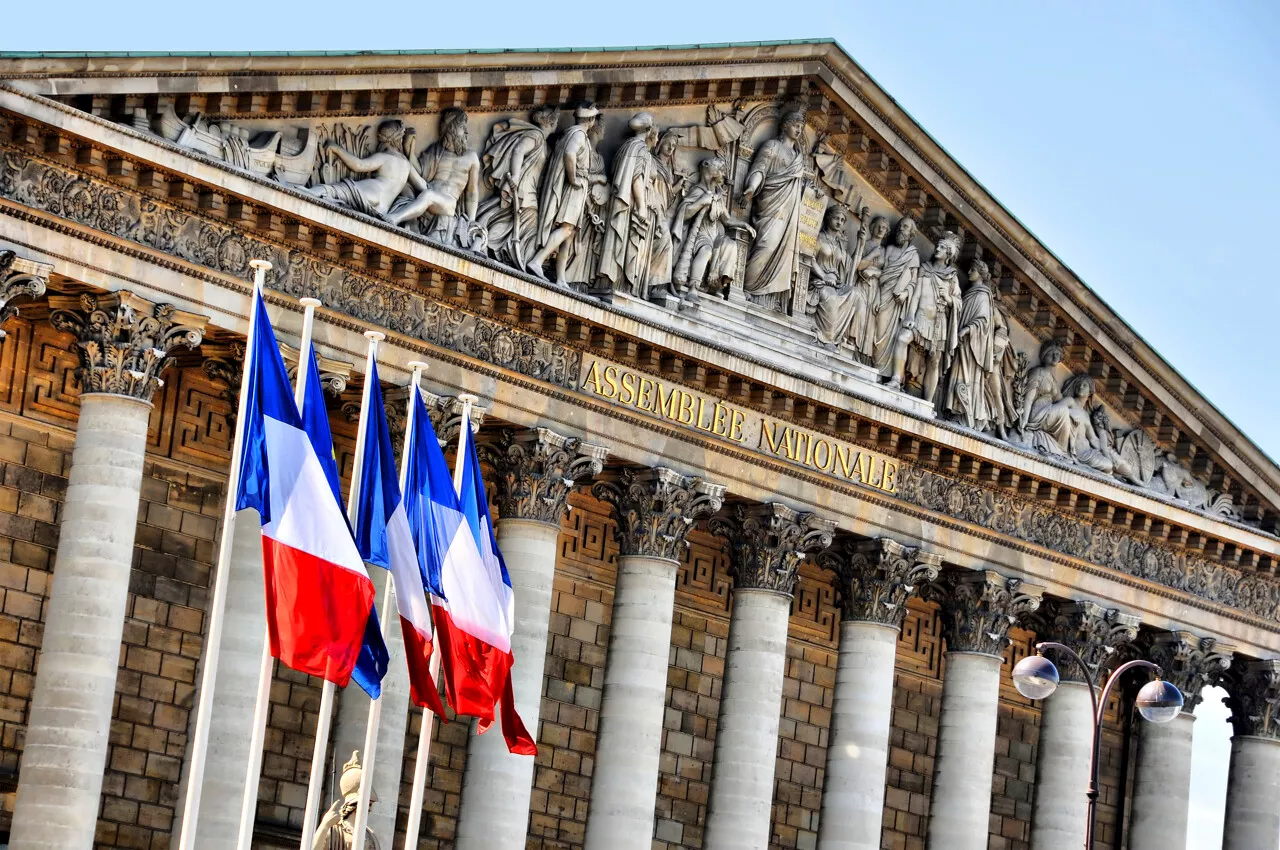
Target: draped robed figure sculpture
{"points": [[775, 187], [512, 163]]}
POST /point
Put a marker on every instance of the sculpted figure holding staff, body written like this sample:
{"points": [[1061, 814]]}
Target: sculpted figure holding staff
{"points": [[705, 254], [972, 396], [898, 277], [932, 314], [776, 184], [565, 191]]}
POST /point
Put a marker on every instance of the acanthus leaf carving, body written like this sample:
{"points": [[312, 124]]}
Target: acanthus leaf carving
{"points": [[19, 277], [1188, 661], [536, 471], [875, 578], [767, 543], [980, 606], [1253, 695], [655, 508], [1092, 630]]}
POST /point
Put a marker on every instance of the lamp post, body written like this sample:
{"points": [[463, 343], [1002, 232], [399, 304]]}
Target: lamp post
{"points": [[1036, 678]]}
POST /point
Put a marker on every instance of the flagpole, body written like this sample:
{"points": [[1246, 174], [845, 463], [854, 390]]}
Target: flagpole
{"points": [[217, 606], [266, 665], [468, 400]]}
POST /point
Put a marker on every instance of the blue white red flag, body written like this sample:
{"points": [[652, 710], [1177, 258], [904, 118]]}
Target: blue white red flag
{"points": [[474, 607], [371, 666], [385, 540], [318, 594]]}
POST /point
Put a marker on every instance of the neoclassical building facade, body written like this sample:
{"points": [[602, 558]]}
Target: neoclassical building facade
{"points": [[797, 442]]}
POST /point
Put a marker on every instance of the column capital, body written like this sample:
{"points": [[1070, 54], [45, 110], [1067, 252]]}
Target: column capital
{"points": [[654, 509], [124, 341], [334, 374], [445, 412], [20, 277], [1092, 630], [1254, 698], [877, 577], [1190, 662], [537, 468], [979, 607], [767, 543]]}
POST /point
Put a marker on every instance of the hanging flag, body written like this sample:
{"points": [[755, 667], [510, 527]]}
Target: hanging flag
{"points": [[371, 665], [319, 596], [475, 616], [385, 540]]}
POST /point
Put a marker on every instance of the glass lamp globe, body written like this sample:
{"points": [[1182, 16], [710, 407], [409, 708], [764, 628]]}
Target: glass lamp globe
{"points": [[1159, 701], [1035, 677]]}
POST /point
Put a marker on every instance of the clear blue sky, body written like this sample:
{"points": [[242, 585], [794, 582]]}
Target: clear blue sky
{"points": [[1137, 139]]}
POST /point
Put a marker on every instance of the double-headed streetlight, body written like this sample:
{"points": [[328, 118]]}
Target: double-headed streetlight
{"points": [[1035, 677]]}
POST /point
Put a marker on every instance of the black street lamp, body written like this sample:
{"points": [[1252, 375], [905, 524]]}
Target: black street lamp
{"points": [[1035, 677]]}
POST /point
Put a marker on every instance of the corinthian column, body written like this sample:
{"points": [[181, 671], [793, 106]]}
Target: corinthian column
{"points": [[875, 578], [1162, 780], [978, 607], [1253, 786], [654, 510], [1066, 725], [766, 545], [535, 472], [124, 344], [19, 278]]}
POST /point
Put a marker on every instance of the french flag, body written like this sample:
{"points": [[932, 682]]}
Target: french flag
{"points": [[385, 540], [473, 600], [319, 596]]}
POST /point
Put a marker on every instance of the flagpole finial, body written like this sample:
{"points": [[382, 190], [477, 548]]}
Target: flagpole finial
{"points": [[310, 302], [265, 265], [260, 269], [468, 398], [419, 365], [376, 336]]}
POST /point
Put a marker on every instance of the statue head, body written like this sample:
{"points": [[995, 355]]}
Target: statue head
{"points": [[791, 125], [586, 114], [390, 133], [906, 231], [1079, 387], [879, 228], [667, 144], [979, 271], [453, 131], [1052, 353], [349, 782], [712, 170], [836, 219], [546, 117], [641, 123], [947, 249]]}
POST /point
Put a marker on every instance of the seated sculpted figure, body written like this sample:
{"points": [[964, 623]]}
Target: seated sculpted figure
{"points": [[1042, 388], [1065, 428], [389, 168], [707, 254], [336, 830], [831, 290], [450, 175]]}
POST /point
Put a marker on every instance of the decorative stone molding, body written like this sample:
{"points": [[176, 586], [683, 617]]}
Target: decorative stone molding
{"points": [[18, 277], [334, 374], [654, 509], [124, 340], [1254, 699], [536, 470], [979, 607], [768, 542], [446, 416], [1189, 662], [1090, 629], [224, 364], [877, 577]]}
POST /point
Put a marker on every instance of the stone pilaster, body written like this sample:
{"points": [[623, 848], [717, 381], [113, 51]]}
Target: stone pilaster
{"points": [[1162, 779], [654, 510], [19, 278], [1066, 727], [978, 608], [875, 578], [124, 343], [1253, 786], [536, 470], [766, 545]]}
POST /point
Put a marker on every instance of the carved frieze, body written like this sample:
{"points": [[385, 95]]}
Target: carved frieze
{"points": [[875, 578], [19, 277], [1189, 662], [767, 543], [1093, 631], [537, 468], [654, 509], [1253, 695], [980, 606]]}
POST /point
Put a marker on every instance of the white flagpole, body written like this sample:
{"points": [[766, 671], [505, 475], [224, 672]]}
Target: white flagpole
{"points": [[217, 606], [325, 720], [468, 400], [266, 666]]}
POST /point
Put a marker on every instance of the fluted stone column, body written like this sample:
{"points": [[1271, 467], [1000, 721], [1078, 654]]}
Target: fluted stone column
{"points": [[875, 579], [1162, 779], [1253, 785], [536, 470], [653, 509], [123, 342], [766, 545], [1066, 726], [978, 607]]}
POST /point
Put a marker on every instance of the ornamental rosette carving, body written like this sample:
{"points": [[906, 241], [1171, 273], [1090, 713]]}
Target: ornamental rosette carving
{"points": [[124, 341], [536, 470], [655, 508], [19, 277], [1095, 632], [877, 577], [980, 606], [768, 542], [1254, 699], [1189, 662]]}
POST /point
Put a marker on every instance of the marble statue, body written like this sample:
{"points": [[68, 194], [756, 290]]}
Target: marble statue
{"points": [[973, 396], [589, 238], [450, 172], [866, 284], [930, 327], [1041, 388], [900, 268], [512, 164], [666, 184], [337, 824], [706, 253], [389, 168], [562, 210], [1065, 427], [628, 241], [831, 280], [775, 190]]}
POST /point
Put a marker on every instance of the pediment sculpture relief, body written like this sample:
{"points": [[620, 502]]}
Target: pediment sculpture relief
{"points": [[677, 213]]}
